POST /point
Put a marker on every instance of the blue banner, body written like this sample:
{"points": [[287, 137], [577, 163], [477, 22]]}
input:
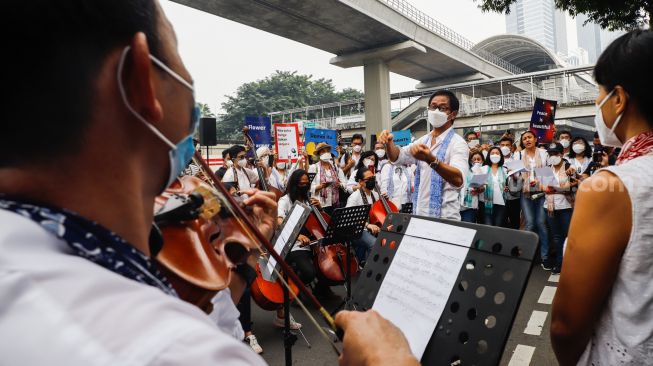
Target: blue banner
{"points": [[401, 138], [259, 130], [313, 136]]}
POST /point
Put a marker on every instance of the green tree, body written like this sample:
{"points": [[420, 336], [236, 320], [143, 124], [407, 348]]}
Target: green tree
{"points": [[610, 14], [205, 110], [279, 91]]}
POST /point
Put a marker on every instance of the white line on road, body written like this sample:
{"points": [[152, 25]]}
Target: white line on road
{"points": [[521, 356], [536, 323], [547, 295], [554, 278]]}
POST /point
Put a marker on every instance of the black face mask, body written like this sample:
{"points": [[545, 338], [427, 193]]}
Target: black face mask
{"points": [[370, 184], [303, 191]]}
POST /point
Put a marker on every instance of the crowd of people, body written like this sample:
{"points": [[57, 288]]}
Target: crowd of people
{"points": [[78, 273]]}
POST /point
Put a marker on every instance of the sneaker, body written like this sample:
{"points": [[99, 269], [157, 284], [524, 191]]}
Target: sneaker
{"points": [[546, 266], [253, 343], [555, 270], [281, 322]]}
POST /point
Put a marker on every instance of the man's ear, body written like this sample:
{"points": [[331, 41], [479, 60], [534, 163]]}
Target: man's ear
{"points": [[139, 80], [620, 99]]}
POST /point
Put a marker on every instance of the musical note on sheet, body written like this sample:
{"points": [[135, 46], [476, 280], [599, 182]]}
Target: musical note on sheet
{"points": [[422, 274]]}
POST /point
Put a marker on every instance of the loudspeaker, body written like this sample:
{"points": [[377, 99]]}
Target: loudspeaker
{"points": [[207, 131]]}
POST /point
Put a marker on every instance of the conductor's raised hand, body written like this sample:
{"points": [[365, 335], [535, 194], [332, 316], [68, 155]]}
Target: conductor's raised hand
{"points": [[384, 137], [422, 152], [390, 346]]}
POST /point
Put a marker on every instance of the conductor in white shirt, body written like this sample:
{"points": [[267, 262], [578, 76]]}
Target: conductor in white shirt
{"points": [[441, 158]]}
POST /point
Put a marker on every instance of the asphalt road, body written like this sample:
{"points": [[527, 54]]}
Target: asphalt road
{"points": [[528, 343]]}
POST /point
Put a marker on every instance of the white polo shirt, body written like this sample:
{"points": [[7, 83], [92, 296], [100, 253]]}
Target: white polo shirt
{"points": [[456, 155], [61, 309]]}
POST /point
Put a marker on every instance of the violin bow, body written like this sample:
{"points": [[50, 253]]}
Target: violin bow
{"points": [[252, 229]]}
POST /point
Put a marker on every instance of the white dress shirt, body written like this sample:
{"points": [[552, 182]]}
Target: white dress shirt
{"points": [[402, 180], [247, 178], [356, 199], [61, 309], [456, 156]]}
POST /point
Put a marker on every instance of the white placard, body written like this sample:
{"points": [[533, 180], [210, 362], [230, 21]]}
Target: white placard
{"points": [[286, 141]]}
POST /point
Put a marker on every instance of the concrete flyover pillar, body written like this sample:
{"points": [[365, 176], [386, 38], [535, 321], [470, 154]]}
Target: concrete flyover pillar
{"points": [[377, 97]]}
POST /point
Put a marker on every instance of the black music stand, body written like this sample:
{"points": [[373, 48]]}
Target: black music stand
{"points": [[347, 225], [283, 240], [481, 307], [407, 208]]}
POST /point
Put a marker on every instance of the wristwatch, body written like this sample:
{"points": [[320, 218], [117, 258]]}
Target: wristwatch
{"points": [[435, 163]]}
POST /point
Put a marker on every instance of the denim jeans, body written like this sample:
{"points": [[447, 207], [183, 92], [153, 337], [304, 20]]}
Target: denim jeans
{"points": [[363, 245], [535, 217], [468, 215], [514, 213], [559, 224], [497, 217]]}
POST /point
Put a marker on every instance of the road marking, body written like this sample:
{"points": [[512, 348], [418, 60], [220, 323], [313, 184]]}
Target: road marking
{"points": [[554, 278], [536, 323], [547, 295], [521, 356]]}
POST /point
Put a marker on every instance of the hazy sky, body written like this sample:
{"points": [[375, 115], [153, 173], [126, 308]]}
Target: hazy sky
{"points": [[221, 54]]}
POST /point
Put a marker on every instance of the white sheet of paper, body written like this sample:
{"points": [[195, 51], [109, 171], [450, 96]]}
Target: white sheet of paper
{"points": [[549, 181], [543, 172], [422, 274], [515, 166], [282, 239], [478, 180]]}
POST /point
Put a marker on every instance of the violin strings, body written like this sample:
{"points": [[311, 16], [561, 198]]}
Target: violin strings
{"points": [[251, 236]]}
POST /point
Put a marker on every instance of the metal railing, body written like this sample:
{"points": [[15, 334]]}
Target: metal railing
{"points": [[411, 12]]}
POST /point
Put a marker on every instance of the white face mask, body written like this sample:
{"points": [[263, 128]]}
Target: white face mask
{"points": [[368, 162], [229, 163], [564, 143], [505, 150], [325, 156], [437, 118], [554, 160], [281, 165], [607, 135], [242, 162], [495, 159], [476, 168], [380, 153], [578, 148], [472, 144], [357, 148]]}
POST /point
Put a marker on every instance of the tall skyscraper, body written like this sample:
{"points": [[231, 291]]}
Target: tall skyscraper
{"points": [[539, 19], [592, 38]]}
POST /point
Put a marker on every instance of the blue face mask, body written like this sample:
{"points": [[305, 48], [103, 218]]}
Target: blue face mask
{"points": [[181, 153]]}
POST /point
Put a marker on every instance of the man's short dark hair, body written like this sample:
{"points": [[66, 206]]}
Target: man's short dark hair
{"points": [[471, 133], [358, 136], [235, 150], [225, 152], [454, 104], [506, 138], [53, 65], [564, 133]]}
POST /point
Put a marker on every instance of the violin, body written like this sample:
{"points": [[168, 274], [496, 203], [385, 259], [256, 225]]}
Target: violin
{"points": [[195, 257], [381, 208], [330, 260], [262, 177]]}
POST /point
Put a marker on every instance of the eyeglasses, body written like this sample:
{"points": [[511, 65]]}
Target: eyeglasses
{"points": [[442, 108]]}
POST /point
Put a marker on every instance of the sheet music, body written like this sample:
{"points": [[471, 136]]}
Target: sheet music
{"points": [[441, 232], [416, 287], [284, 235], [544, 172], [478, 180], [514, 166]]}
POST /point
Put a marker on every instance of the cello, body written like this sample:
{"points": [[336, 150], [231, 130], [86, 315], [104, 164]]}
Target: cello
{"points": [[381, 208], [330, 260]]}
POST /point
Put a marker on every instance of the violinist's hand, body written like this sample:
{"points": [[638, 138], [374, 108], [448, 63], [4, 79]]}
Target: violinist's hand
{"points": [[264, 210], [315, 202], [571, 171], [373, 229], [303, 240], [422, 152], [390, 345]]}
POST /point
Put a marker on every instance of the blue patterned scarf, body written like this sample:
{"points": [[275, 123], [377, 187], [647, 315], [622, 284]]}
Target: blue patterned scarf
{"points": [[437, 183], [92, 241]]}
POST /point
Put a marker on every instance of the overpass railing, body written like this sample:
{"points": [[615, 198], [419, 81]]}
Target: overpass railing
{"points": [[411, 12]]}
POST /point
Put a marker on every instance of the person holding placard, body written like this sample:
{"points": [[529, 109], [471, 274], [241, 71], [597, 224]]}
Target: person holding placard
{"points": [[441, 158]]}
